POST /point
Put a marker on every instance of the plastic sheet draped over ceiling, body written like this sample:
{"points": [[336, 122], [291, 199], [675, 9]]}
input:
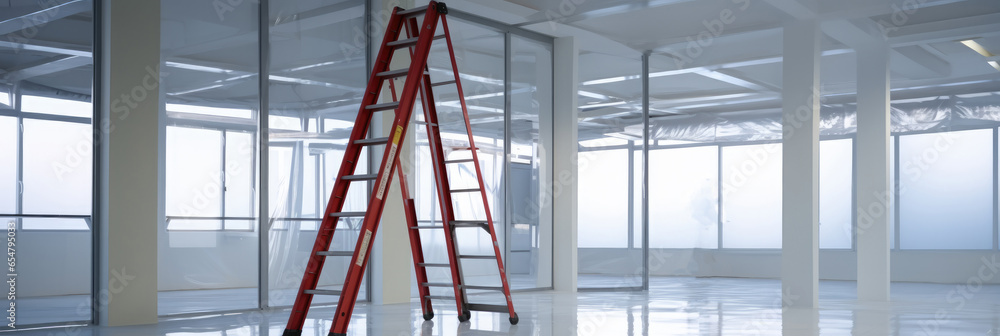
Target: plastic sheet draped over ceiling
{"points": [[935, 114]]}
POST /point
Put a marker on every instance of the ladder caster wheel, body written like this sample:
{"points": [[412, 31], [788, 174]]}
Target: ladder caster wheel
{"points": [[428, 316], [465, 316], [513, 319]]}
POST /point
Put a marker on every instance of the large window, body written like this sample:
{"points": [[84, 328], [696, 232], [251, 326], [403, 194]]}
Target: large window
{"points": [[751, 196], [946, 190], [609, 172], [208, 240], [684, 197], [46, 156]]}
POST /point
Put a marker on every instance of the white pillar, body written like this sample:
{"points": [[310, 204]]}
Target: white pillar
{"points": [[564, 155], [129, 142], [392, 265], [800, 169], [872, 182]]}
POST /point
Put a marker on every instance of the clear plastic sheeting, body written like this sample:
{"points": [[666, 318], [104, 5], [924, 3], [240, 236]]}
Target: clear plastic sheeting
{"points": [[932, 114]]}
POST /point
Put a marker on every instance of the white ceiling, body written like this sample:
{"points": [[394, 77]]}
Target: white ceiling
{"points": [[740, 69]]}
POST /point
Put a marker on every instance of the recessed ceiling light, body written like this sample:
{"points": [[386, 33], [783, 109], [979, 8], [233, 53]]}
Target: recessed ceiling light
{"points": [[972, 44]]}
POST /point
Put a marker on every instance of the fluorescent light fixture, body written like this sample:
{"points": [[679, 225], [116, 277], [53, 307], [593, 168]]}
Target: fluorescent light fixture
{"points": [[995, 65], [212, 111], [611, 80], [603, 105], [594, 95], [975, 46], [198, 68]]}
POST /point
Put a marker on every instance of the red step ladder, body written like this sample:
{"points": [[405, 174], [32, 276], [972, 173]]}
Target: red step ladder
{"points": [[419, 37]]}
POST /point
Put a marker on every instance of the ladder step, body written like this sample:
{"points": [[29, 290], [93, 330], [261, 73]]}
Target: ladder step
{"points": [[476, 256], [433, 265], [443, 83], [382, 106], [472, 224], [365, 177], [427, 227], [348, 214], [424, 123], [412, 11], [372, 141], [459, 161], [436, 284], [438, 297], [322, 292], [484, 288], [465, 190], [464, 148], [335, 253], [409, 42], [393, 73], [488, 308]]}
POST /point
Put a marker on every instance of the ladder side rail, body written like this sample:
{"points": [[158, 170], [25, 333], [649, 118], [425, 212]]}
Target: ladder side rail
{"points": [[359, 261], [335, 204], [443, 187], [479, 174]]}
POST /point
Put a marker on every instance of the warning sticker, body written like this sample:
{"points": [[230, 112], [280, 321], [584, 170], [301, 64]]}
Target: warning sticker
{"points": [[392, 155], [364, 247]]}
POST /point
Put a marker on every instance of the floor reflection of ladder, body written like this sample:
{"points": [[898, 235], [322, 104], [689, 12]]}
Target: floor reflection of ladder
{"points": [[417, 80]]}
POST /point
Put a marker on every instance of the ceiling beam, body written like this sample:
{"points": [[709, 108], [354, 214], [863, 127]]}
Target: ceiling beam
{"points": [[44, 16], [985, 25], [45, 67]]}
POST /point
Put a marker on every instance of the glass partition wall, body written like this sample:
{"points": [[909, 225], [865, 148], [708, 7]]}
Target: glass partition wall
{"points": [[208, 241], [46, 158], [610, 166], [251, 162], [506, 80]]}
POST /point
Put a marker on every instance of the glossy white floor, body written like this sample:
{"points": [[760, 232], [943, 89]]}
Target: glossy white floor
{"points": [[673, 306]]}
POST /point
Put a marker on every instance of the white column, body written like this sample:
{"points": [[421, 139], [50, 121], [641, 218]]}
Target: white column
{"points": [[129, 142], [800, 169], [564, 155], [872, 182], [391, 263]]}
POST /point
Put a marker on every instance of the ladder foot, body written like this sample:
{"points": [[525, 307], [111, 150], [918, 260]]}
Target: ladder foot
{"points": [[465, 316], [428, 316], [336, 334], [513, 319], [292, 333]]}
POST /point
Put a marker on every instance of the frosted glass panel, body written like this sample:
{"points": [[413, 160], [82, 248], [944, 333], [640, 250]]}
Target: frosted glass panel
{"points": [[751, 196], [8, 166], [240, 173], [836, 163], [603, 199], [683, 197], [57, 167], [193, 172], [946, 195]]}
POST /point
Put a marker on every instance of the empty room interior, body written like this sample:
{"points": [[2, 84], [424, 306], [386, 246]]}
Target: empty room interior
{"points": [[500, 167]]}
